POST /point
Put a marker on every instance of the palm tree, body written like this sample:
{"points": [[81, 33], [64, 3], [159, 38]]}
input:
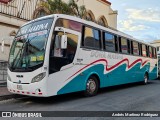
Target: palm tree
{"points": [[70, 8], [58, 6], [79, 11]]}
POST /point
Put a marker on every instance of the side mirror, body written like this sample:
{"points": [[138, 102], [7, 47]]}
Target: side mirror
{"points": [[64, 42]]}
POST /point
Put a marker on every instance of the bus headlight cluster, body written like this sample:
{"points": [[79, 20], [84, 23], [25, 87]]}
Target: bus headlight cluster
{"points": [[39, 77], [8, 77]]}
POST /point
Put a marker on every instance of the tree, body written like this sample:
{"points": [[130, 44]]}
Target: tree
{"points": [[79, 11], [60, 7]]}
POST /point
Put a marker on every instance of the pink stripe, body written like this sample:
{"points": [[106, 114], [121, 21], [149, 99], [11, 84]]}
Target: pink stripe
{"points": [[114, 66]]}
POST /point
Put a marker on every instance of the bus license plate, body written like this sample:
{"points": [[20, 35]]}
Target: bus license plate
{"points": [[19, 87]]}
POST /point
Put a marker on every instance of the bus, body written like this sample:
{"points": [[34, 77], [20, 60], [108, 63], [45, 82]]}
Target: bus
{"points": [[59, 54]]}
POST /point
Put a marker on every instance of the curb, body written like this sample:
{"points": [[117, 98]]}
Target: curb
{"points": [[6, 97]]}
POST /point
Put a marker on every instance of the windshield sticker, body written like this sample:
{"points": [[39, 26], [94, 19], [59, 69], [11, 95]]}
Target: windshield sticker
{"points": [[35, 26], [38, 27], [21, 37], [38, 33], [33, 59], [40, 58]]}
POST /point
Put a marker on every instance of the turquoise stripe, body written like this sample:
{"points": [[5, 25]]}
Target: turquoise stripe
{"points": [[116, 77]]}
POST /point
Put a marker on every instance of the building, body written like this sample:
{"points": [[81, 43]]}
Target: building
{"points": [[15, 13]]}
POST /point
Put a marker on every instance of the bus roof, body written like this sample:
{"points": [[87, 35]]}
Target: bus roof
{"points": [[90, 23]]}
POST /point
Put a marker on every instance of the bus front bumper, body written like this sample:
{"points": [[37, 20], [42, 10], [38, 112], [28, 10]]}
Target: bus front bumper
{"points": [[32, 89]]}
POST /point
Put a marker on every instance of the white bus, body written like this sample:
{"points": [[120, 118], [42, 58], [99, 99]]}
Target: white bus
{"points": [[60, 54]]}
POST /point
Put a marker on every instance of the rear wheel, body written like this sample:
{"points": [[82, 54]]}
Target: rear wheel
{"points": [[145, 79], [91, 86]]}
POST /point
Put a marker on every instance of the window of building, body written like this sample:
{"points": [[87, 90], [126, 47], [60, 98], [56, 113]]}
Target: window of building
{"points": [[91, 38], [41, 13], [102, 21], [90, 16], [110, 42], [135, 48]]}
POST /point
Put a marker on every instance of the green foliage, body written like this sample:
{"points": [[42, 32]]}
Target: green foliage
{"points": [[60, 7]]}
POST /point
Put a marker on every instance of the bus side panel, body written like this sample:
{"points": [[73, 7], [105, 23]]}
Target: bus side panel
{"points": [[153, 74], [79, 82], [116, 77]]}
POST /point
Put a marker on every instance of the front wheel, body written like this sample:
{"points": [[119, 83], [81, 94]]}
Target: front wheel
{"points": [[91, 87]]}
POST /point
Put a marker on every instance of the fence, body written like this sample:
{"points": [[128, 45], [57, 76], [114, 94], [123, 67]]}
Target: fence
{"points": [[22, 9], [3, 72]]}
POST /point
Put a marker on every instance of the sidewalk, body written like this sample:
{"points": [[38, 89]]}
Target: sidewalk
{"points": [[3, 90]]}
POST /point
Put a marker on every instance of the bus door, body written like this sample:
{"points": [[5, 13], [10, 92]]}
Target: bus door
{"points": [[61, 55]]}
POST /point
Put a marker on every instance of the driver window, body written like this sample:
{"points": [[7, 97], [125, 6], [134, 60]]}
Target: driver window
{"points": [[61, 57]]}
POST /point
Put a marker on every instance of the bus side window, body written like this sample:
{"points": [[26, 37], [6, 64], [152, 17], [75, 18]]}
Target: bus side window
{"points": [[123, 45], [135, 48], [150, 52], [91, 38], [144, 50], [155, 52], [110, 42]]}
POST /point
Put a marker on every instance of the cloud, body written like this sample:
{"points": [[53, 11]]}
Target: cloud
{"points": [[150, 14], [129, 25]]}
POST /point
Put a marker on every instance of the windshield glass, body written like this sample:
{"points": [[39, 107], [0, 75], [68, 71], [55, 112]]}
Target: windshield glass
{"points": [[28, 49]]}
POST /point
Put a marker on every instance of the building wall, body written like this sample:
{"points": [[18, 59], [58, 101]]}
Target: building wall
{"points": [[4, 51], [17, 12], [13, 15], [100, 8]]}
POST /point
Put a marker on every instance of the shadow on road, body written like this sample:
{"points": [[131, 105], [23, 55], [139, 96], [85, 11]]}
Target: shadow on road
{"points": [[79, 95]]}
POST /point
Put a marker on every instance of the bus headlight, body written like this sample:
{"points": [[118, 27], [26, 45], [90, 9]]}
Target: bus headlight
{"points": [[8, 78], [39, 77]]}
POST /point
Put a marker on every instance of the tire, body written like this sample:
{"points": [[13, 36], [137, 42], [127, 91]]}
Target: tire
{"points": [[91, 87], [145, 82]]}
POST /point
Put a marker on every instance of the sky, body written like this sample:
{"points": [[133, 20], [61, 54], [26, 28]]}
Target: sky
{"points": [[138, 18]]}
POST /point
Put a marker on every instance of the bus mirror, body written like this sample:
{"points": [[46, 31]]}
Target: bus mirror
{"points": [[64, 42]]}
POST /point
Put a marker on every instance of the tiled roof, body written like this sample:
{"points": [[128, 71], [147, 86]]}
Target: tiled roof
{"points": [[106, 1]]}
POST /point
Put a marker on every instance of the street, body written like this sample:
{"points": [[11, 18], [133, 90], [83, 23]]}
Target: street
{"points": [[132, 97]]}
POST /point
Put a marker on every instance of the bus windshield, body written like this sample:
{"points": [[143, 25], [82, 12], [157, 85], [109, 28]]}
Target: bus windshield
{"points": [[28, 48]]}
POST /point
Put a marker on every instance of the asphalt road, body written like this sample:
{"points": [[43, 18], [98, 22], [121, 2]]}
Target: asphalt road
{"points": [[131, 97]]}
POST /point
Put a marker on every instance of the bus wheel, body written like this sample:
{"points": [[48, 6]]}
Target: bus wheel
{"points": [[91, 87], [145, 79]]}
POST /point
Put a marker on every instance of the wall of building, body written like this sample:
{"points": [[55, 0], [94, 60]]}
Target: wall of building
{"points": [[17, 12], [13, 15], [100, 8]]}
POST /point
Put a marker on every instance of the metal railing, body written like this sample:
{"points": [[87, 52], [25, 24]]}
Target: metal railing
{"points": [[22, 9], [3, 72]]}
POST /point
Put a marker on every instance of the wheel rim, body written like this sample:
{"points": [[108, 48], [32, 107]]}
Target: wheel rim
{"points": [[91, 86], [145, 79]]}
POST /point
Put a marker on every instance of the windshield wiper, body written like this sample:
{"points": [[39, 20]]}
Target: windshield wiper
{"points": [[20, 51]]}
